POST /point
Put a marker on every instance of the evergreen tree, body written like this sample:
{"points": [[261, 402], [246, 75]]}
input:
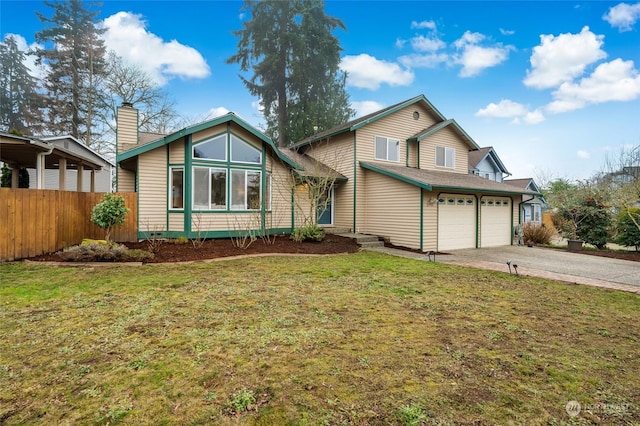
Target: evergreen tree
{"points": [[20, 102], [294, 56], [74, 54]]}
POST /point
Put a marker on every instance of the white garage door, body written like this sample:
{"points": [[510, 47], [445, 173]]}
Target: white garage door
{"points": [[456, 222], [495, 221]]}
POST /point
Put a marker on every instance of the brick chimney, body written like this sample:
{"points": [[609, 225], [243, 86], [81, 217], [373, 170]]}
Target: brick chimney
{"points": [[126, 127]]}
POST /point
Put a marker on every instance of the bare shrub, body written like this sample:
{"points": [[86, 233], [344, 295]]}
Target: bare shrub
{"points": [[153, 237], [201, 236], [534, 233], [96, 251]]}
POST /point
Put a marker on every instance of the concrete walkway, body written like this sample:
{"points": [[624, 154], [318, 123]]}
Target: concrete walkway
{"points": [[552, 264]]}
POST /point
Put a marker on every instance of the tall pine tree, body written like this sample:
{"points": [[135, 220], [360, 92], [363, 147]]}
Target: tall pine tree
{"points": [[74, 54], [20, 103], [294, 56]]}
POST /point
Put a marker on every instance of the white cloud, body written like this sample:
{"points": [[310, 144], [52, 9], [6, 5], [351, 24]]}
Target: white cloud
{"points": [[217, 112], [427, 44], [534, 117], [506, 32], [365, 71], [430, 25], [430, 60], [504, 109], [563, 58], [617, 80], [366, 107], [127, 35], [583, 154], [475, 58], [37, 71], [510, 109], [623, 16]]}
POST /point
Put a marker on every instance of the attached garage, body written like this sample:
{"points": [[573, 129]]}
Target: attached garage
{"points": [[456, 222], [495, 221]]}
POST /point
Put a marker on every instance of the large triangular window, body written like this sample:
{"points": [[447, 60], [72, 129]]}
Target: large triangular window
{"points": [[212, 149], [242, 152]]}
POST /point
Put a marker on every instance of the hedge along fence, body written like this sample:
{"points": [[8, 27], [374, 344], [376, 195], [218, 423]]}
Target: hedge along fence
{"points": [[38, 221]]}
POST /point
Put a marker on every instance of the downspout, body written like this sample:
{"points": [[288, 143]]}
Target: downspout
{"points": [[39, 169], [421, 219]]}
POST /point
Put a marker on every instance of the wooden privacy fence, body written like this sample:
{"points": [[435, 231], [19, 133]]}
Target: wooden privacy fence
{"points": [[38, 221]]}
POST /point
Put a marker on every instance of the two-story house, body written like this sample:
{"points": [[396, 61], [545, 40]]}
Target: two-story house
{"points": [[401, 173]]}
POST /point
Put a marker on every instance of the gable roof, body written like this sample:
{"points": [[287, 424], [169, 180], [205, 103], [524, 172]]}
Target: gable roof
{"points": [[526, 183], [369, 118], [79, 146], [476, 157], [23, 151], [441, 125], [229, 117], [437, 180], [312, 168]]}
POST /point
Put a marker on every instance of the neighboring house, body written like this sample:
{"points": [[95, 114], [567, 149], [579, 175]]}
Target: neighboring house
{"points": [[102, 178], [53, 163], [485, 163], [400, 173], [531, 207]]}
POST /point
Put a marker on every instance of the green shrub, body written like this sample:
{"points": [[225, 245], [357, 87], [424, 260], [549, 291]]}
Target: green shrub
{"points": [[628, 228], [589, 220], [534, 233], [309, 232], [108, 213]]}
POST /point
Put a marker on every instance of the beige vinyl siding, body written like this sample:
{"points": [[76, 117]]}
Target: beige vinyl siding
{"points": [[126, 180], [281, 184], [302, 207], [127, 131], [176, 152], [207, 133], [176, 222], [337, 153], [515, 205], [445, 138], [152, 186], [399, 125], [429, 221], [225, 221], [392, 210]]}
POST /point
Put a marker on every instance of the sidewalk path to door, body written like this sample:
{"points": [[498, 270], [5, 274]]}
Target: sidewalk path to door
{"points": [[552, 264]]}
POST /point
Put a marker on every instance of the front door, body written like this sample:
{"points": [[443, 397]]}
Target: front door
{"points": [[325, 209]]}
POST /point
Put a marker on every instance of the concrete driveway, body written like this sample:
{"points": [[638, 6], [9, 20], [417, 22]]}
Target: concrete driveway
{"points": [[555, 264]]}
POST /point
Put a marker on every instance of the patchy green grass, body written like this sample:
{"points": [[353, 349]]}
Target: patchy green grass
{"points": [[351, 339]]}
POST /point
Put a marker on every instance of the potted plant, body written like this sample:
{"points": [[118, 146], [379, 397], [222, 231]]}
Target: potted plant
{"points": [[566, 222]]}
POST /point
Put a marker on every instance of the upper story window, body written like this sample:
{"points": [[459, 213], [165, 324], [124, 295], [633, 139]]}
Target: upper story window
{"points": [[445, 157], [212, 149], [387, 149], [242, 152], [216, 149]]}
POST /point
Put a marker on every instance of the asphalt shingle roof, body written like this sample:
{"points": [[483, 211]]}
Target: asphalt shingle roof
{"points": [[435, 179]]}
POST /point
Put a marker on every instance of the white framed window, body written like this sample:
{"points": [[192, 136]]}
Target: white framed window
{"points": [[211, 149], [445, 157], [245, 189], [176, 183], [387, 149], [209, 188]]}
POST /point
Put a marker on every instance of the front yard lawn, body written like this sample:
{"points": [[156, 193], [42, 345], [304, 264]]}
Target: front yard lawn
{"points": [[360, 339]]}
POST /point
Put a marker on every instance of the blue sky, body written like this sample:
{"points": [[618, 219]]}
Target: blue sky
{"points": [[553, 86]]}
